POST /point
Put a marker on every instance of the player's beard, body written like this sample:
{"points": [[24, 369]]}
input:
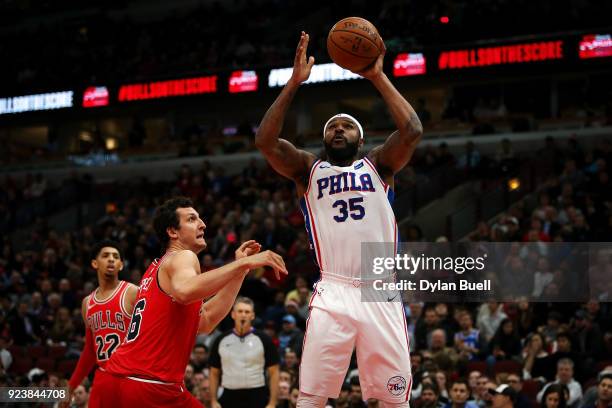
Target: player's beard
{"points": [[341, 154]]}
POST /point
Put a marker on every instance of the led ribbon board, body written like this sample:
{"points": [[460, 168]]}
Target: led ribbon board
{"points": [[501, 55], [409, 64], [595, 46], [39, 102], [243, 81], [167, 89], [319, 73]]}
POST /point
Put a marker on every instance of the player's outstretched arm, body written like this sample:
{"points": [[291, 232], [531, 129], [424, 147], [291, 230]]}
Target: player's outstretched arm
{"points": [[397, 150], [181, 277], [214, 310], [282, 155], [87, 359]]}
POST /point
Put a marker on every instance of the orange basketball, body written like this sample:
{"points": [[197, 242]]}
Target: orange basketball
{"points": [[354, 43]]}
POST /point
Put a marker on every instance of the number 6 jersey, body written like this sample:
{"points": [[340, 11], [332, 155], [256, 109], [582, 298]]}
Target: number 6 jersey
{"points": [[160, 337], [343, 207]]}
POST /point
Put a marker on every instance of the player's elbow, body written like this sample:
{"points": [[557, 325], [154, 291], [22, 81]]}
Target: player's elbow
{"points": [[260, 143], [415, 129], [183, 295]]}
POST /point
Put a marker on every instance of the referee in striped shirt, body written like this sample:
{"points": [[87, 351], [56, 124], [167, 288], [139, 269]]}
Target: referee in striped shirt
{"points": [[240, 358]]}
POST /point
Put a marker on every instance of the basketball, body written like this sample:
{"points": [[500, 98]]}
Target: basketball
{"points": [[354, 43]]}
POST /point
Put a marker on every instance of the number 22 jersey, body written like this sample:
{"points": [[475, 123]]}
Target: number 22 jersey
{"points": [[108, 322], [344, 207]]}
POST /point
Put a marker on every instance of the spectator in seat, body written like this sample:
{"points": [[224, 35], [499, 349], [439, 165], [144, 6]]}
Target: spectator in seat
{"points": [[430, 397], [554, 397], [504, 396], [459, 395], [536, 358], [604, 392], [565, 376], [514, 381]]}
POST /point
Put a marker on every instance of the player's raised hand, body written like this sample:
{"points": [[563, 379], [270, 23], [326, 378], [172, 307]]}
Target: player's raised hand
{"points": [[302, 64], [248, 248], [267, 258], [375, 69]]}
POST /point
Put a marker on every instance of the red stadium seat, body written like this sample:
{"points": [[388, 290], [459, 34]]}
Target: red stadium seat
{"points": [[57, 352], [36, 351], [21, 365], [507, 366], [46, 363], [603, 364], [66, 367], [531, 389], [477, 366], [16, 351]]}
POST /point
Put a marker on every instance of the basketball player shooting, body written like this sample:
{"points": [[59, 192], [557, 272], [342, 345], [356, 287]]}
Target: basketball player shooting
{"points": [[347, 201], [148, 369]]}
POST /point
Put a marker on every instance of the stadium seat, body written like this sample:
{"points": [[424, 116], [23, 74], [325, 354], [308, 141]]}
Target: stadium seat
{"points": [[16, 351], [603, 364], [21, 365], [507, 366], [45, 363], [531, 388], [57, 352], [66, 366], [477, 366], [36, 351]]}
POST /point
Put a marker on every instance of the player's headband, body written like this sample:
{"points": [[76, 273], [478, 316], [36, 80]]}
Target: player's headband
{"points": [[346, 116]]}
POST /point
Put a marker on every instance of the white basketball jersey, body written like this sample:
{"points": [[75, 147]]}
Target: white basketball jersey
{"points": [[343, 207]]}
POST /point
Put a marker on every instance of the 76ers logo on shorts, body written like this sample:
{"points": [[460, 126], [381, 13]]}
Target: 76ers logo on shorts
{"points": [[396, 385]]}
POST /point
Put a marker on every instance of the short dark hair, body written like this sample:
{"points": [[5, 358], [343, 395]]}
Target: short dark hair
{"points": [[95, 251], [460, 381], [564, 335], [433, 387], [166, 217], [607, 376]]}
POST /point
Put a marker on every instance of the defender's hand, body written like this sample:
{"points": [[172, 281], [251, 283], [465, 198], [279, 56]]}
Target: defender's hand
{"points": [[267, 258], [248, 248]]}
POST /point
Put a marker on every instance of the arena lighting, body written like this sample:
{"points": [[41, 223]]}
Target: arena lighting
{"points": [[595, 46], [243, 81], [320, 73], [514, 184], [95, 96], [409, 64], [444, 20], [501, 55], [166, 89], [39, 102]]}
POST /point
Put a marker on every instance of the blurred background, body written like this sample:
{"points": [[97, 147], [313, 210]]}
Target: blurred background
{"points": [[107, 108]]}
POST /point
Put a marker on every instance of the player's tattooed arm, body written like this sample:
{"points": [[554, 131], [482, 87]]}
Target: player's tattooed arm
{"points": [[282, 155], [397, 150]]}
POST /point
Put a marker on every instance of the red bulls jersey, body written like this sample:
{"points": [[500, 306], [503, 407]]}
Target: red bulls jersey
{"points": [[161, 335], [108, 321]]}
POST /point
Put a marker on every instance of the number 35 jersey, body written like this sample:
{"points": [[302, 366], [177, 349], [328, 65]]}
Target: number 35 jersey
{"points": [[108, 322], [344, 207], [161, 335]]}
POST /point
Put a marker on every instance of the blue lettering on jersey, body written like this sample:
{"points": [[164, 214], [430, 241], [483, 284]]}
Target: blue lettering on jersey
{"points": [[346, 181]]}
